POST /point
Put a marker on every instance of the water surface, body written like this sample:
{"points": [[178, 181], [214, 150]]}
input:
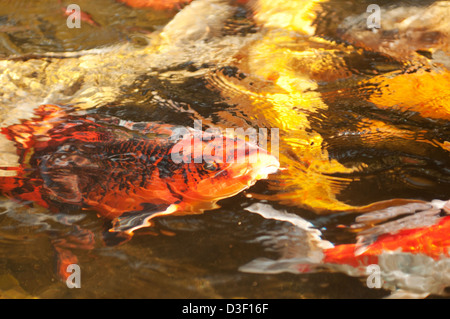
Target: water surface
{"points": [[339, 147]]}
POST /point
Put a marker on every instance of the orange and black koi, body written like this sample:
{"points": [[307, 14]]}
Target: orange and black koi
{"points": [[123, 170]]}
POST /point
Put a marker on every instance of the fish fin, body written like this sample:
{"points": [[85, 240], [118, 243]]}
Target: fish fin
{"points": [[130, 222], [270, 266], [296, 241], [77, 238], [387, 221], [64, 258], [63, 187], [390, 212], [144, 128], [23, 134], [112, 239], [404, 294]]}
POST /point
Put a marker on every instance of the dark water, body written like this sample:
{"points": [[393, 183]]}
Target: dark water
{"points": [[340, 150]]}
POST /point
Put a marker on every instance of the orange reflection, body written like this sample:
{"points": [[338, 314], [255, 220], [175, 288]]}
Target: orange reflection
{"points": [[425, 92]]}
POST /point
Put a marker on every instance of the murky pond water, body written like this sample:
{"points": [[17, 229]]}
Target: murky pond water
{"points": [[360, 121]]}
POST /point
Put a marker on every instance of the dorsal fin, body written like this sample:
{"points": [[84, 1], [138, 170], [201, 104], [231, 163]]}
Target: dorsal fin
{"points": [[25, 133], [387, 221], [130, 222]]}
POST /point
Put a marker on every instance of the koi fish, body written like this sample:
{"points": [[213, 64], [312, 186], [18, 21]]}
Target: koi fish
{"points": [[423, 232], [412, 252], [123, 170]]}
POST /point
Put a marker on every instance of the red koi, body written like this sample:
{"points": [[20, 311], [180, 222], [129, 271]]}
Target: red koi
{"points": [[156, 4]]}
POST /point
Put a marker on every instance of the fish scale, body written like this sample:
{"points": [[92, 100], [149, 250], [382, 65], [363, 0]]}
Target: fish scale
{"points": [[114, 166]]}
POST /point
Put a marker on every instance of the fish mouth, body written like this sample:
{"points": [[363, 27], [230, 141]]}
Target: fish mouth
{"points": [[267, 164], [264, 172], [249, 174]]}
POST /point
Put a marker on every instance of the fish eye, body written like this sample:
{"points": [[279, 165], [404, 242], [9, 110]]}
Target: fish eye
{"points": [[210, 166]]}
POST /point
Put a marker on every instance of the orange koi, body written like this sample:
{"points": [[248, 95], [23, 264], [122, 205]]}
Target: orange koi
{"points": [[411, 253], [156, 4], [123, 170]]}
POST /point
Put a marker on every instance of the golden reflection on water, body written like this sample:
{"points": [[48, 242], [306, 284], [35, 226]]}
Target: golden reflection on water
{"points": [[283, 74]]}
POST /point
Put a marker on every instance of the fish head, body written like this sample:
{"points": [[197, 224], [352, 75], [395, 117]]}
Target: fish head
{"points": [[215, 168]]}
